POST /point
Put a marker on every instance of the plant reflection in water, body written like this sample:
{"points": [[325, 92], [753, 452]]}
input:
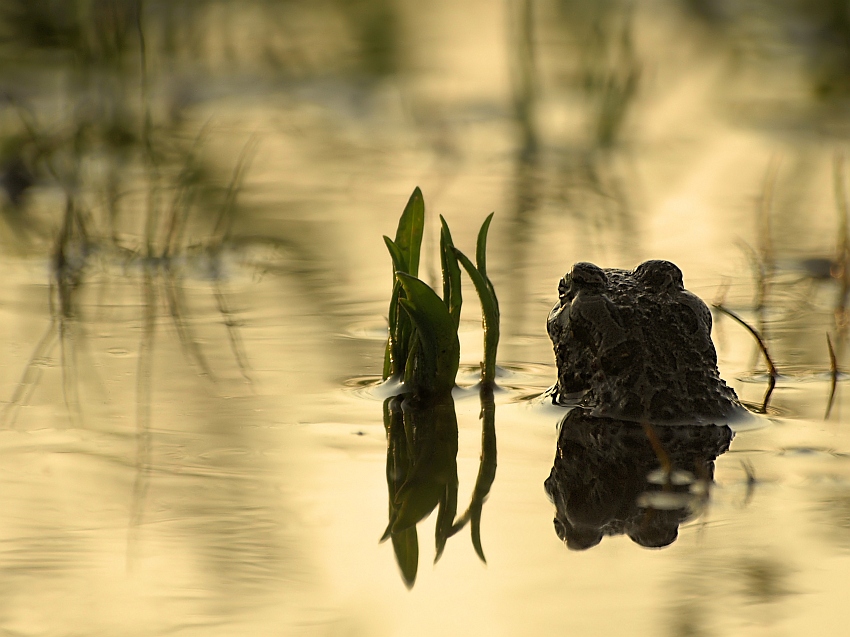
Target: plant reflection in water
{"points": [[614, 477], [422, 445], [423, 351]]}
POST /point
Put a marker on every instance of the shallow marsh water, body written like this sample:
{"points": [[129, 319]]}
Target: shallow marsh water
{"points": [[217, 465]]}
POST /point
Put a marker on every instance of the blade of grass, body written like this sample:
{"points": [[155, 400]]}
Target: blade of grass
{"points": [[392, 353], [406, 548], [399, 461], [32, 374], [481, 246], [400, 263], [408, 236], [752, 481], [439, 355], [452, 295], [486, 473], [400, 328], [481, 257], [231, 324], [445, 516], [225, 216], [489, 317], [487, 469]]}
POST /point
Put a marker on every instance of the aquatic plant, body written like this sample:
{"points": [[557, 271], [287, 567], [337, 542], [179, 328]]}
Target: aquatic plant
{"points": [[422, 446], [421, 474], [486, 475], [423, 352], [487, 295], [423, 349]]}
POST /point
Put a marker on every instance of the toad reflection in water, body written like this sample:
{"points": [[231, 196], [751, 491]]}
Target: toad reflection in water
{"points": [[634, 353], [613, 477]]}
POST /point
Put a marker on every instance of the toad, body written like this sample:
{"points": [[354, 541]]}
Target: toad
{"points": [[636, 345]]}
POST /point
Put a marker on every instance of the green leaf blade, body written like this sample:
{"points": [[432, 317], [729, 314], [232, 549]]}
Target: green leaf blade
{"points": [[452, 294], [396, 351], [445, 516], [481, 246], [489, 316], [440, 351], [396, 254], [406, 548], [408, 236]]}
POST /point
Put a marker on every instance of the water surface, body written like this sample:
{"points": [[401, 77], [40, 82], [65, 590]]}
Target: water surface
{"points": [[194, 443]]}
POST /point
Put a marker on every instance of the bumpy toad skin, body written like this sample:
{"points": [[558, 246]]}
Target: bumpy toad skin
{"points": [[639, 345]]}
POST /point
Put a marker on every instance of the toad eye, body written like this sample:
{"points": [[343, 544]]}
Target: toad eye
{"points": [[587, 276], [660, 276], [564, 286]]}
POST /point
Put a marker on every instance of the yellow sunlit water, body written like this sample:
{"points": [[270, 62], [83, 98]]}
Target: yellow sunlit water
{"points": [[192, 438]]}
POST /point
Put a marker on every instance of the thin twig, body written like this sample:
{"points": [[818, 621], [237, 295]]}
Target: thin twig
{"points": [[751, 480], [31, 376], [232, 326], [68, 361], [833, 368], [771, 369], [183, 197], [176, 302], [658, 448], [221, 231]]}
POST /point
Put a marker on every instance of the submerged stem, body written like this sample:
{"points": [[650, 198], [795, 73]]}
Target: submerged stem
{"points": [[771, 369]]}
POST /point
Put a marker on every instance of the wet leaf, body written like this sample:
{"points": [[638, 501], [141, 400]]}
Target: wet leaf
{"points": [[400, 327], [416, 500], [406, 547], [486, 473], [445, 517], [489, 314], [481, 246], [439, 354], [452, 296], [408, 237], [400, 264], [400, 332], [486, 469], [481, 257]]}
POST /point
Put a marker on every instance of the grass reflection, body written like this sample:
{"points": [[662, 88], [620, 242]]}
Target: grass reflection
{"points": [[609, 69], [422, 446], [71, 254], [800, 300]]}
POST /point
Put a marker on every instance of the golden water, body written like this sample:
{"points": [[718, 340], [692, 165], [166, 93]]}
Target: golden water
{"points": [[236, 485]]}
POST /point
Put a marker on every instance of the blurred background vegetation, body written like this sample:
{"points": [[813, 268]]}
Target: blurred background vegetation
{"points": [[103, 99], [133, 126]]}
